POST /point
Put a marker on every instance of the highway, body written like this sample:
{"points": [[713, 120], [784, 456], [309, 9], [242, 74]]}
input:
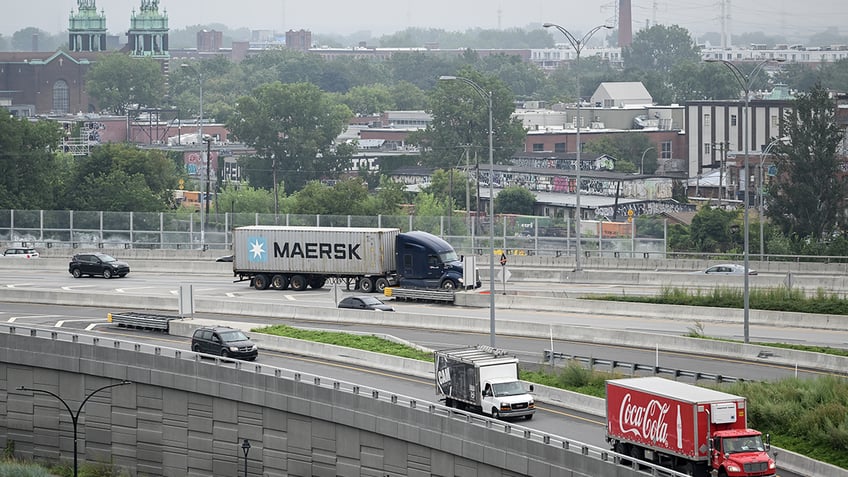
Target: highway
{"points": [[550, 418]]}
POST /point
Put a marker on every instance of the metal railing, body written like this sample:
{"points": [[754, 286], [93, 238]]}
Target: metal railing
{"points": [[611, 365]]}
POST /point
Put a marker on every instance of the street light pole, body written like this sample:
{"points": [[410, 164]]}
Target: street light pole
{"points": [[577, 44], [765, 153], [245, 447], [746, 82], [642, 161], [205, 160], [487, 96], [74, 416]]}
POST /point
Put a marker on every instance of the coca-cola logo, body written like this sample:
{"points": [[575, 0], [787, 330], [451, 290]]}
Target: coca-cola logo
{"points": [[647, 422]]}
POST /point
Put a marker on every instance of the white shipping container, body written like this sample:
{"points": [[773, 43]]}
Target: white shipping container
{"points": [[316, 250]]}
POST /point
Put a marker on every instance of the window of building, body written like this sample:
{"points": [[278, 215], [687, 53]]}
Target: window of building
{"points": [[61, 97], [538, 147], [775, 120], [706, 120], [665, 150], [707, 148], [559, 147], [733, 120]]}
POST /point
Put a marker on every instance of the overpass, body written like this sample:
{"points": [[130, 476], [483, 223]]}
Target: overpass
{"points": [[185, 415]]}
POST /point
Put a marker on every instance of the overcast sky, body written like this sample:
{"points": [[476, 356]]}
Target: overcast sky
{"points": [[786, 17]]}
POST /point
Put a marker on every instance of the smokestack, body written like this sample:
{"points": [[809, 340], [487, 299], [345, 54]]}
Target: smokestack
{"points": [[35, 42], [625, 22]]}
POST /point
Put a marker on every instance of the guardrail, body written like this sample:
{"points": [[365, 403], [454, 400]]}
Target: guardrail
{"points": [[516, 431], [145, 321], [612, 364]]}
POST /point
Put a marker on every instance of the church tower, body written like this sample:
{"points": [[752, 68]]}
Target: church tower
{"points": [[148, 33], [87, 28]]}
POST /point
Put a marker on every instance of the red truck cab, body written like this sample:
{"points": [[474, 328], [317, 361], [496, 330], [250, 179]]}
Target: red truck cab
{"points": [[739, 452]]}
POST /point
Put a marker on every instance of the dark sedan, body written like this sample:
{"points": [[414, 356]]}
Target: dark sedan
{"points": [[98, 264], [364, 302]]}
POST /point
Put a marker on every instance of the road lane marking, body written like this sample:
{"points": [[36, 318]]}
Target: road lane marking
{"points": [[74, 287], [15, 318], [61, 323], [13, 285]]}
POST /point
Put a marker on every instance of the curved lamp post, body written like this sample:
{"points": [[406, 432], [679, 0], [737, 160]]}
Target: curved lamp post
{"points": [[642, 161], [487, 96], [765, 153], [74, 415], [746, 82], [205, 161], [245, 447], [577, 44]]}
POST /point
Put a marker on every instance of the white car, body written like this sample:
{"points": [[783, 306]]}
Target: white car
{"points": [[727, 269], [20, 253]]}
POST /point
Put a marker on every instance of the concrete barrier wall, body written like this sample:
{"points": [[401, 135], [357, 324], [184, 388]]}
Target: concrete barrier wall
{"points": [[186, 416]]}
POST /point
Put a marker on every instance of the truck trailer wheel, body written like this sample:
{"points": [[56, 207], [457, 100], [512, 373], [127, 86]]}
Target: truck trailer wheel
{"points": [[280, 282], [381, 284], [261, 281], [299, 283], [366, 285]]}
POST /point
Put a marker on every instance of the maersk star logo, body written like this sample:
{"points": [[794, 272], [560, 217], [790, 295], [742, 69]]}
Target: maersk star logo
{"points": [[257, 250]]}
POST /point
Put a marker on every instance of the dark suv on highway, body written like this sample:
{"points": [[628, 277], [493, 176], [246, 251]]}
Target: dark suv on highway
{"points": [[99, 264], [224, 341]]}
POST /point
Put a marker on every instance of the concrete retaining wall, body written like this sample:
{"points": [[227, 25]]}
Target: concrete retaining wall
{"points": [[186, 416]]}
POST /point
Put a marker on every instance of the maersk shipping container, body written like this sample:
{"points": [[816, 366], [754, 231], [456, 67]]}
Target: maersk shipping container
{"points": [[334, 251]]}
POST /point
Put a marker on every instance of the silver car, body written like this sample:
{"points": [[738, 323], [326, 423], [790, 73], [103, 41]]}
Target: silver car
{"points": [[727, 269]]}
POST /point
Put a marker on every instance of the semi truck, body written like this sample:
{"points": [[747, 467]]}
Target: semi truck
{"points": [[694, 430], [282, 257], [484, 380]]}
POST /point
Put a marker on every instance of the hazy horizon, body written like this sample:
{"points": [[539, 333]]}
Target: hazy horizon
{"points": [[380, 17]]}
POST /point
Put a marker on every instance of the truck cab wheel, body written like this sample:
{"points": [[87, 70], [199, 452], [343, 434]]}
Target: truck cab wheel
{"points": [[299, 283], [366, 285], [495, 414], [448, 285], [280, 282], [261, 281]]}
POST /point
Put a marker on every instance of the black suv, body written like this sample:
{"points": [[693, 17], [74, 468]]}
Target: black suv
{"points": [[224, 341], [100, 264]]}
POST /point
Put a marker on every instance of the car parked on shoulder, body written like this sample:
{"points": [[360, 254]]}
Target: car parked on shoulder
{"points": [[364, 302], [97, 264], [727, 269], [20, 252], [225, 342]]}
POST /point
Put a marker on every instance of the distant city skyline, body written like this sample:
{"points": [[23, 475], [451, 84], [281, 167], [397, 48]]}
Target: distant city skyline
{"points": [[380, 17]]}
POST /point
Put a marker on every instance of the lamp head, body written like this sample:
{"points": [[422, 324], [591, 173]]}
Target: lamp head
{"points": [[446, 78]]}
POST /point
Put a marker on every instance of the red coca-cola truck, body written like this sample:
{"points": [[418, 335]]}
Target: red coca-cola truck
{"points": [[694, 430]]}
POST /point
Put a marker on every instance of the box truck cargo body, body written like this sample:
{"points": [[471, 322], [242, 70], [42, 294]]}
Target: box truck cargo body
{"points": [[372, 258], [484, 380], [685, 427]]}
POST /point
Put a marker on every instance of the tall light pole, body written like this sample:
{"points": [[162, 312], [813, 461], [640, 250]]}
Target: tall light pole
{"points": [[487, 96], [765, 153], [203, 153], [577, 44], [74, 415], [746, 82], [642, 161]]}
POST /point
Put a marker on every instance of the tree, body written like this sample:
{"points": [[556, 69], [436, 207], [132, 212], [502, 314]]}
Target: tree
{"points": [[408, 97], [243, 198], [515, 200], [627, 149], [711, 230], [368, 100], [31, 172], [292, 127], [809, 201], [119, 82], [451, 183], [659, 48], [22, 40], [461, 117], [121, 177]]}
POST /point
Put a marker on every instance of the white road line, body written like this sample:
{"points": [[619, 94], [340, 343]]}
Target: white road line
{"points": [[291, 298], [61, 323], [13, 285], [74, 287], [15, 318]]}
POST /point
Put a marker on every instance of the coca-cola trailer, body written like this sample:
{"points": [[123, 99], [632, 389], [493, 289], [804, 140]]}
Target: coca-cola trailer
{"points": [[692, 429]]}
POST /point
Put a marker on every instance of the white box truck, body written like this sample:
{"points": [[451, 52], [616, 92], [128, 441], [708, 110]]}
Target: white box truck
{"points": [[373, 258], [484, 380]]}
